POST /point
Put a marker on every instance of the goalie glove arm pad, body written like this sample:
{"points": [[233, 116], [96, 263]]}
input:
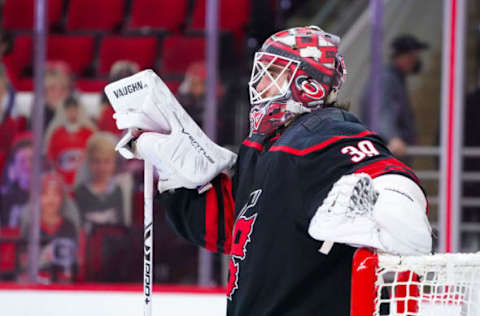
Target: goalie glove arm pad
{"points": [[387, 213], [400, 215]]}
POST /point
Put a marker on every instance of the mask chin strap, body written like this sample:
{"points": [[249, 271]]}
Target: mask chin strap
{"points": [[296, 107]]}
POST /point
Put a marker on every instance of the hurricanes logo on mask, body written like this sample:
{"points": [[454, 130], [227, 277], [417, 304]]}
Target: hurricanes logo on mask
{"points": [[242, 232], [310, 87]]}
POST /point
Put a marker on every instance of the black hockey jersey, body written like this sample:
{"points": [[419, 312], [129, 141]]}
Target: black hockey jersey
{"points": [[261, 219]]}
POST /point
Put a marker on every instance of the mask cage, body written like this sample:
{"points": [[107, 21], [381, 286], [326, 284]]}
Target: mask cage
{"points": [[274, 68]]}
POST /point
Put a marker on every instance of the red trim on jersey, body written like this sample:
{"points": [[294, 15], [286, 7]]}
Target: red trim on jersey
{"points": [[308, 150], [379, 167], [211, 220], [275, 138], [229, 206], [252, 144]]}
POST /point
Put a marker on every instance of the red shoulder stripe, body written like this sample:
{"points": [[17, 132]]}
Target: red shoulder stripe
{"points": [[211, 220], [252, 144], [379, 167], [308, 150]]}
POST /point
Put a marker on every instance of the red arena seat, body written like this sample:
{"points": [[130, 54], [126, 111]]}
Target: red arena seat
{"points": [[18, 14], [91, 85], [76, 51], [104, 15], [137, 49], [105, 245], [179, 52], [19, 59], [9, 244], [158, 14], [234, 14], [173, 85]]}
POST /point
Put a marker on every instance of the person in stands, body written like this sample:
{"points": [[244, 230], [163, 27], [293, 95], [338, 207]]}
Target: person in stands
{"points": [[99, 195], [395, 117], [16, 176], [58, 233], [67, 138]]}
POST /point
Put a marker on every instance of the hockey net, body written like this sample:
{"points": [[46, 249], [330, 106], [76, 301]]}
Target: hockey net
{"points": [[435, 285]]}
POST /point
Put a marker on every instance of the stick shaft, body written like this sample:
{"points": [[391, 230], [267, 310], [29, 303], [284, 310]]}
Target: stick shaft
{"points": [[148, 239]]}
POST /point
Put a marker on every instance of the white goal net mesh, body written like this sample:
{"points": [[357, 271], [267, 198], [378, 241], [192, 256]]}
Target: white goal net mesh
{"points": [[436, 285]]}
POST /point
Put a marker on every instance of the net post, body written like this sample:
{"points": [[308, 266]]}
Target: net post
{"points": [[363, 289]]}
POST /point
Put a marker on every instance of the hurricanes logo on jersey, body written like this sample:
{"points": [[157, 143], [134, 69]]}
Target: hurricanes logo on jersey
{"points": [[242, 232]]}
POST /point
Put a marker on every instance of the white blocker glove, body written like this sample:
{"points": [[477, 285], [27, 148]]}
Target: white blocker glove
{"points": [[387, 213], [171, 141], [142, 101]]}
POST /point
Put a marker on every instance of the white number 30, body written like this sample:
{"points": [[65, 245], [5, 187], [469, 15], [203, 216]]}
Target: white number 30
{"points": [[364, 149]]}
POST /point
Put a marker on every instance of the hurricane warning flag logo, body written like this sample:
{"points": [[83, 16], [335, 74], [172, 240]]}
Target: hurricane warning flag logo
{"points": [[241, 237], [241, 234]]}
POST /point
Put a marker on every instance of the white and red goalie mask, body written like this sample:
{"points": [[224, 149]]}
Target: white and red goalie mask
{"points": [[296, 71]]}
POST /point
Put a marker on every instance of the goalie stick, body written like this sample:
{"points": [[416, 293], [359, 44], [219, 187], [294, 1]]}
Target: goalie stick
{"points": [[148, 239]]}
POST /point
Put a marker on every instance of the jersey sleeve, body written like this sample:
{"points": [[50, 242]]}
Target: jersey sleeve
{"points": [[320, 169], [204, 219]]}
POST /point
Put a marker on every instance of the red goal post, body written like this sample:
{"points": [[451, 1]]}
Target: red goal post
{"points": [[433, 285]]}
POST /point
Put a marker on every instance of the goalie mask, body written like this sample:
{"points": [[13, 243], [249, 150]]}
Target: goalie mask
{"points": [[296, 71]]}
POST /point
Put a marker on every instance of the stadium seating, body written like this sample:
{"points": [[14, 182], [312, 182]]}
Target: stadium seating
{"points": [[9, 242], [18, 14], [173, 85], [158, 14], [19, 61], [104, 15], [90, 85], [90, 35], [21, 55], [233, 17], [140, 49], [234, 14], [76, 51], [104, 246], [179, 52]]}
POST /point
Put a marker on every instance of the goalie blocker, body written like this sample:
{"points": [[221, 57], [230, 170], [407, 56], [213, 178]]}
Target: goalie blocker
{"points": [[167, 136]]}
